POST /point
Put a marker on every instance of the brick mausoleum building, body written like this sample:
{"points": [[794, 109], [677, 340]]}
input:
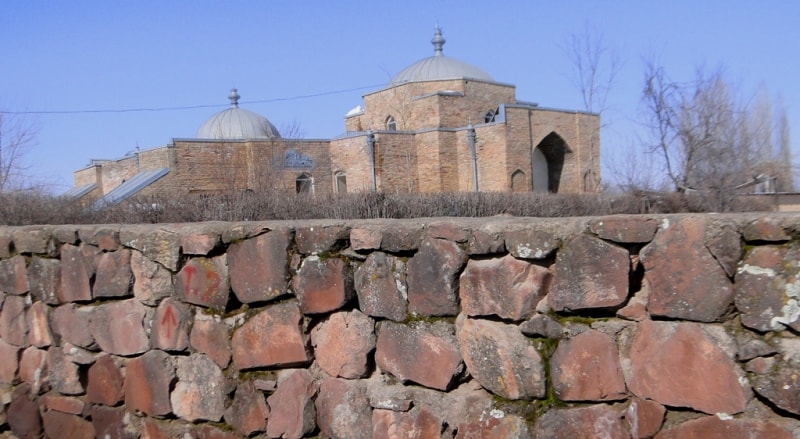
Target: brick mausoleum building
{"points": [[441, 125]]}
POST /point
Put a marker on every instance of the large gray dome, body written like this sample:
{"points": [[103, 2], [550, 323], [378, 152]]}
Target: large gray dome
{"points": [[439, 66], [237, 123]]}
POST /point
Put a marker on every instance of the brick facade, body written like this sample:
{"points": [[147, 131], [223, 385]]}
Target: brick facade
{"points": [[421, 143]]}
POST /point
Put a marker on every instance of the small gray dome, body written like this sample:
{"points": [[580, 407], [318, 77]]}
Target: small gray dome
{"points": [[237, 123], [439, 66]]}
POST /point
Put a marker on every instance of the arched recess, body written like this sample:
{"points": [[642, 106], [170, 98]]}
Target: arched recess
{"points": [[304, 183], [518, 181], [554, 150], [391, 124], [340, 182]]}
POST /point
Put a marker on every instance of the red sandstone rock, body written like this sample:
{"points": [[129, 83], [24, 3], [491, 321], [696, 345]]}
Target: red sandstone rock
{"points": [[343, 410], [8, 367], [147, 383], [152, 281], [14, 276], [381, 286], [64, 404], [760, 365], [13, 321], [112, 422], [323, 285], [400, 238], [542, 325], [119, 327], [530, 243], [259, 267], [212, 338], [482, 242], [627, 229], [293, 414], [702, 290], [589, 273], [5, 245], [318, 239], [679, 365], [44, 278], [156, 244], [270, 338], [104, 382], [58, 424], [448, 230], [596, 421], [342, 344], [199, 243], [765, 229], [63, 375], [500, 358], [505, 427], [725, 244], [506, 287], [781, 386], [106, 239], [432, 283], [69, 322], [34, 239], [767, 289], [248, 412], [23, 414], [33, 369], [114, 276], [365, 239], [402, 349], [204, 282], [415, 424], [644, 417], [39, 334], [200, 391], [636, 308], [170, 330], [75, 272], [586, 368], [210, 432], [712, 427]]}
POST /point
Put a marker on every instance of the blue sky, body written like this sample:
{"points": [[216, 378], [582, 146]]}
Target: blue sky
{"points": [[94, 55]]}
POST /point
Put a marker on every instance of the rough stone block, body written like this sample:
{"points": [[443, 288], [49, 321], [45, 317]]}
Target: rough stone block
{"points": [[530, 243], [156, 244], [765, 229], [365, 239], [714, 427], [13, 321], [58, 424], [586, 368], [319, 239], [14, 276], [248, 412], [63, 374], [401, 349], [147, 383], [113, 274], [23, 414], [342, 344], [200, 391], [627, 229], [501, 427], [589, 273], [505, 287], [259, 267], [500, 358], [593, 421], [644, 417], [44, 277], [112, 423], [420, 423], [64, 404], [292, 411], [343, 410], [768, 289], [119, 327], [285, 345], [8, 367], [33, 369], [432, 283], [380, 283], [680, 365], [104, 382], [323, 285], [69, 322], [482, 242], [152, 281], [204, 282], [39, 333], [170, 330], [212, 338], [75, 274]]}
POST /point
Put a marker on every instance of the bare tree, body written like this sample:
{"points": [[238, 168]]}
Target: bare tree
{"points": [[17, 136], [594, 70], [708, 140]]}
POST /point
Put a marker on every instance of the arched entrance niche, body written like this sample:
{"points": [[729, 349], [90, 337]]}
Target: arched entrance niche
{"points": [[547, 162], [518, 181]]}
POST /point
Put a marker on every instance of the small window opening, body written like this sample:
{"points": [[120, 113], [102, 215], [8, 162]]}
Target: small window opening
{"points": [[391, 124], [304, 184]]}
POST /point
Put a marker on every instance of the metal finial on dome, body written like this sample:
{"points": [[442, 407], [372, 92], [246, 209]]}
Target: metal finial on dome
{"points": [[234, 97], [438, 41]]}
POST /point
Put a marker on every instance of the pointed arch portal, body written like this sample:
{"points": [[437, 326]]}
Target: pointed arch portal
{"points": [[547, 163]]}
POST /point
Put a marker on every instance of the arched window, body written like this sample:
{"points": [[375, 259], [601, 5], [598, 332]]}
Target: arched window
{"points": [[490, 116], [518, 182], [391, 124], [340, 181], [304, 184]]}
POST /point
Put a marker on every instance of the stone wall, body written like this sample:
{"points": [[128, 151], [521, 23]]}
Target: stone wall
{"points": [[667, 327]]}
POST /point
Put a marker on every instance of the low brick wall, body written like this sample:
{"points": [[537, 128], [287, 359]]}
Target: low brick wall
{"points": [[618, 327]]}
